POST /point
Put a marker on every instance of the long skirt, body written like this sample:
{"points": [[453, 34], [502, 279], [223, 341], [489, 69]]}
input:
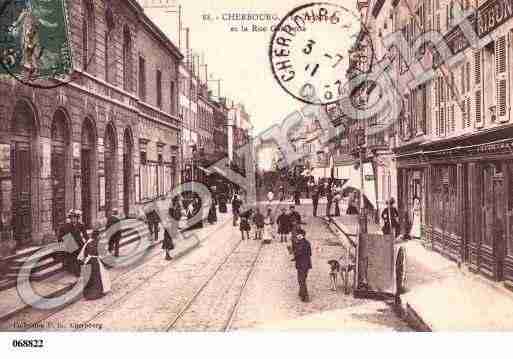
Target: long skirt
{"points": [[268, 232], [99, 282], [415, 229], [71, 263], [212, 215]]}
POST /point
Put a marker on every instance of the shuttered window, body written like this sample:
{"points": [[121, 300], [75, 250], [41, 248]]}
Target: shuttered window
{"points": [[501, 76], [462, 74], [469, 117], [453, 121], [477, 81]]}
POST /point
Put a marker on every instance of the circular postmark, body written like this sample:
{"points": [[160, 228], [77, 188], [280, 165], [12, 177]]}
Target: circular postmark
{"points": [[309, 51]]}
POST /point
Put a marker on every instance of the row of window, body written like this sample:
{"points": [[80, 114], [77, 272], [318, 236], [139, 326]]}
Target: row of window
{"points": [[158, 86], [110, 74], [155, 179]]}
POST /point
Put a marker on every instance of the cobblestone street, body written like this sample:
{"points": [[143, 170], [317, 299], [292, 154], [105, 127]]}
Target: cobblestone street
{"points": [[224, 284]]}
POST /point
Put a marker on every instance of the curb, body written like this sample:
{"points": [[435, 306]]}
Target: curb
{"points": [[414, 320]]}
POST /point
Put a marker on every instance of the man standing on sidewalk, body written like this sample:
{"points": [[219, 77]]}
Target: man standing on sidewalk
{"points": [[315, 200], [258, 219], [303, 257], [329, 198]]}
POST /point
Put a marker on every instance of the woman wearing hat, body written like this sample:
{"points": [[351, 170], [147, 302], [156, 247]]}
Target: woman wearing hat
{"points": [[98, 283], [167, 244]]}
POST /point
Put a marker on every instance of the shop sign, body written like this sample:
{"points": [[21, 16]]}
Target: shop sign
{"points": [[457, 41], [492, 14]]}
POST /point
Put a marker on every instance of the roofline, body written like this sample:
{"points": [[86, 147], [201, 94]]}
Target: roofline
{"points": [[150, 25]]}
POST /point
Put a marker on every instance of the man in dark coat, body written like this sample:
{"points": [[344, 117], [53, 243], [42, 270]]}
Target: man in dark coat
{"points": [[153, 224], [283, 222], [115, 236], [315, 199], [295, 217], [390, 217], [297, 195], [80, 236], [329, 198], [236, 204], [302, 251], [258, 219]]}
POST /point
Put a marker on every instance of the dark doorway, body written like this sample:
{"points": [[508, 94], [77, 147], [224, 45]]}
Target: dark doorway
{"points": [[127, 170], [60, 142], [110, 168], [87, 160], [22, 135]]}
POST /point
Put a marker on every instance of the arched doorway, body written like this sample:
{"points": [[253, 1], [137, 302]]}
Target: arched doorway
{"points": [[127, 169], [23, 133], [87, 163], [110, 168], [60, 143]]}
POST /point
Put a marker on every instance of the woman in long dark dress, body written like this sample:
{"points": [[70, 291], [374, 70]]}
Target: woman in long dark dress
{"points": [[167, 244], [99, 281], [212, 213], [222, 203]]}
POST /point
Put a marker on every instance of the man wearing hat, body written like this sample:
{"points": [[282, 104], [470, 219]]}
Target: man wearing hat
{"points": [[302, 252], [115, 236], [390, 217], [79, 235]]}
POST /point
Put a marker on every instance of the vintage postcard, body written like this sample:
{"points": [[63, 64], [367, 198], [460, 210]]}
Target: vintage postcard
{"points": [[214, 166]]}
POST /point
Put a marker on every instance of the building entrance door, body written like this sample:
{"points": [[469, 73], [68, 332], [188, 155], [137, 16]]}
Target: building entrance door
{"points": [[22, 209], [127, 171], [58, 175], [499, 219], [86, 186], [494, 206]]}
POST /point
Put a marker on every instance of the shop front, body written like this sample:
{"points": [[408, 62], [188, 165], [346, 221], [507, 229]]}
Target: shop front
{"points": [[466, 199]]}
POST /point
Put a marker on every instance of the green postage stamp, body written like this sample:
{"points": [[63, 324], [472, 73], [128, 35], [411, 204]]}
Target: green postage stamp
{"points": [[34, 39]]}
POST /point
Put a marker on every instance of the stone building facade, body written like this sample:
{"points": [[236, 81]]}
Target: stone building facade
{"points": [[107, 139], [454, 135]]}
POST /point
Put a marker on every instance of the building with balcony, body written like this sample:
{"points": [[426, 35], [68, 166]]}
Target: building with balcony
{"points": [[107, 139], [455, 134], [360, 136]]}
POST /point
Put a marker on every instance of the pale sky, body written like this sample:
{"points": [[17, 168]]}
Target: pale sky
{"points": [[240, 59]]}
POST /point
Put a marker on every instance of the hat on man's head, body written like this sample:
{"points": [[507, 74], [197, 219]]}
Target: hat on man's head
{"points": [[301, 231], [114, 211]]}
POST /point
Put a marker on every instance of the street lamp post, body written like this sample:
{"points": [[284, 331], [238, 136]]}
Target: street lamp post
{"points": [[362, 220]]}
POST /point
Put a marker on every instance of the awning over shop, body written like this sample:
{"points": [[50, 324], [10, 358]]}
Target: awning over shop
{"points": [[353, 176]]}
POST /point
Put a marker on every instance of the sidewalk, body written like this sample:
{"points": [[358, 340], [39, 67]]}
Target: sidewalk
{"points": [[440, 296], [11, 303], [372, 316]]}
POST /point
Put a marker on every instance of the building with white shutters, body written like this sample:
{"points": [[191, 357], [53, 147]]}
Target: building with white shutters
{"points": [[454, 147]]}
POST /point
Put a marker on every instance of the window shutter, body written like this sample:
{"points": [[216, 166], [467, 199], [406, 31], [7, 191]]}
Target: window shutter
{"points": [[462, 79], [501, 78], [453, 122], [469, 118], [437, 122], [464, 114], [468, 76], [477, 92]]}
